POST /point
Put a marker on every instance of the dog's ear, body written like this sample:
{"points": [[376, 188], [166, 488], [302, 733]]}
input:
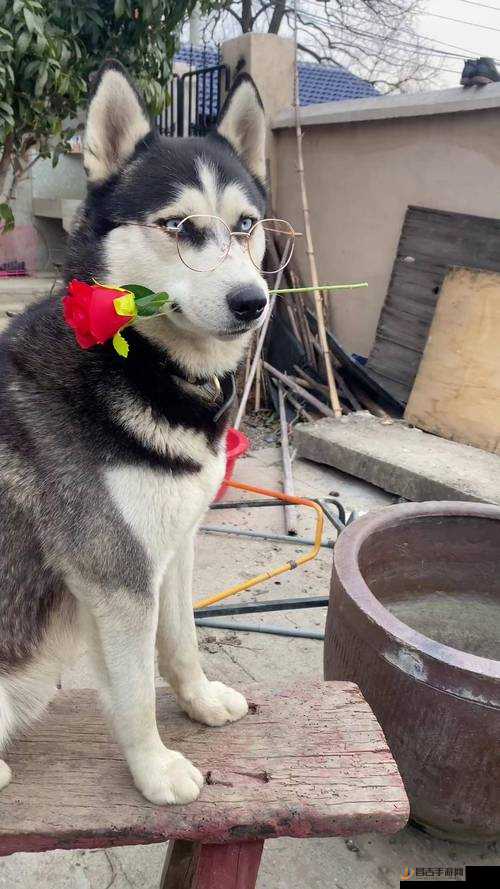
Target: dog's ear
{"points": [[242, 123], [117, 121]]}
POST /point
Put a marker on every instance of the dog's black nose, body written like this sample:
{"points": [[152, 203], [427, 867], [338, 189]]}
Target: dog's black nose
{"points": [[247, 302]]}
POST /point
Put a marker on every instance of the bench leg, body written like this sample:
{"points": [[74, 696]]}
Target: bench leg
{"points": [[205, 866]]}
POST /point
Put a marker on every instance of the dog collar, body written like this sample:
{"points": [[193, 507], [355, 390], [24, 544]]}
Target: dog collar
{"points": [[213, 391]]}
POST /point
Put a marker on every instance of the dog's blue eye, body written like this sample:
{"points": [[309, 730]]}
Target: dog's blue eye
{"points": [[246, 223], [171, 224]]}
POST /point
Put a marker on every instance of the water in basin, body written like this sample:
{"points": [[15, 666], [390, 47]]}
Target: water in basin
{"points": [[463, 620]]}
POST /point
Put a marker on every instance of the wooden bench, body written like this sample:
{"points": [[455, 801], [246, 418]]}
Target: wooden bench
{"points": [[309, 760]]}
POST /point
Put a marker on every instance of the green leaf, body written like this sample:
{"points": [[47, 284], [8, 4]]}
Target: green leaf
{"points": [[8, 219], [162, 296], [30, 20], [151, 305], [41, 79], [23, 42], [138, 290]]}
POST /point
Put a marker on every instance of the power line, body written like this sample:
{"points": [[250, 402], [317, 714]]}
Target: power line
{"points": [[447, 18], [467, 52], [333, 23], [353, 29], [430, 49], [482, 5]]}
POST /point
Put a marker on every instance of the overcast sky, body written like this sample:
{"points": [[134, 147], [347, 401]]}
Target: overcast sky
{"points": [[466, 33]]}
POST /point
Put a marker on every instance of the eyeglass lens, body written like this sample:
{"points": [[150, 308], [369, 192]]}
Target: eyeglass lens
{"points": [[204, 241]]}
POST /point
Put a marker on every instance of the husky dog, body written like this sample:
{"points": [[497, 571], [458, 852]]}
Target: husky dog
{"points": [[107, 464]]}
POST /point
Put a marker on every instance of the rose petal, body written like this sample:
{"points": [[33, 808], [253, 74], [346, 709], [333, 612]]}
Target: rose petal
{"points": [[104, 321]]}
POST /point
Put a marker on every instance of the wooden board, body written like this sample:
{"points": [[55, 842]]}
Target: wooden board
{"points": [[431, 242], [457, 389], [308, 760]]}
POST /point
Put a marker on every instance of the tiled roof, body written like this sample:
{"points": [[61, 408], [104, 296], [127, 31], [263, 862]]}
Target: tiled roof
{"points": [[197, 57], [322, 83], [317, 83]]}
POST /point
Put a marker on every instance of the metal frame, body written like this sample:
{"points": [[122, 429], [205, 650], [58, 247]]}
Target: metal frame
{"points": [[204, 615], [166, 121], [281, 569], [204, 101]]}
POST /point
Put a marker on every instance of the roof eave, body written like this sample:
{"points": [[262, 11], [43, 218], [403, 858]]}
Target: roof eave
{"points": [[385, 107]]}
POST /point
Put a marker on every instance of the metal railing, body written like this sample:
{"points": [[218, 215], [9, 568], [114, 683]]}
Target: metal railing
{"points": [[195, 100]]}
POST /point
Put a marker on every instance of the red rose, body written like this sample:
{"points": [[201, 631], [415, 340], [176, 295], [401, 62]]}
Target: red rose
{"points": [[90, 310]]}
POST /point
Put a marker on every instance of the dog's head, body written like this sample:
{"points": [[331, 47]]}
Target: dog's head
{"points": [[141, 185]]}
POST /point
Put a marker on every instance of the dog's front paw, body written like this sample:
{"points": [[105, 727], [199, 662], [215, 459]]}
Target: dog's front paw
{"points": [[167, 779], [213, 703]]}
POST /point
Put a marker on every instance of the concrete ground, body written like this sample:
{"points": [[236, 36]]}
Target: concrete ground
{"points": [[362, 861], [16, 293]]}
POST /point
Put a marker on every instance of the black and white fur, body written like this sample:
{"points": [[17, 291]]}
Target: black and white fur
{"points": [[107, 464]]}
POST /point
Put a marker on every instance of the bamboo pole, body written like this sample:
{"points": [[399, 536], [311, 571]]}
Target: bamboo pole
{"points": [[258, 375], [298, 407], [292, 320], [256, 357], [306, 333], [346, 392], [370, 405], [247, 363], [320, 387], [290, 384], [288, 487], [318, 304]]}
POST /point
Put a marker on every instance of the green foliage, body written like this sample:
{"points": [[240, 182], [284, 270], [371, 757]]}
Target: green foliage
{"points": [[48, 50], [6, 218]]}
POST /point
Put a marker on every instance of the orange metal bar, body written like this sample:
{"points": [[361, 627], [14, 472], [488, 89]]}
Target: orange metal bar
{"points": [[288, 566]]}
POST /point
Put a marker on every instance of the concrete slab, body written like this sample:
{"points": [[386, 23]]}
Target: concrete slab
{"points": [[401, 459], [236, 657]]}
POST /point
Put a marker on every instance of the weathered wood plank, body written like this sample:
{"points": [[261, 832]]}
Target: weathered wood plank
{"points": [[206, 866], [181, 865], [309, 760], [431, 242]]}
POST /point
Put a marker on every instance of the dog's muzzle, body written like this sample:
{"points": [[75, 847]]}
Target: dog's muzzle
{"points": [[247, 303]]}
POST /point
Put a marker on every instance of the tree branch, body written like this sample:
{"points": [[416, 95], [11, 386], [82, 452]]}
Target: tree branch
{"points": [[246, 16], [277, 16], [374, 39]]}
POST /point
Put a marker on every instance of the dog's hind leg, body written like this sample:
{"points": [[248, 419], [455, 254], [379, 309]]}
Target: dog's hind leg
{"points": [[120, 631], [6, 723], [27, 688], [211, 703]]}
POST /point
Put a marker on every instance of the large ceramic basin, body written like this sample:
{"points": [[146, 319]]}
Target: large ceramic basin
{"points": [[414, 620]]}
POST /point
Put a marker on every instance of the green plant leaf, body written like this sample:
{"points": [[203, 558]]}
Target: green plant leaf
{"points": [[23, 41], [49, 48], [30, 20], [138, 290], [7, 216], [150, 305]]}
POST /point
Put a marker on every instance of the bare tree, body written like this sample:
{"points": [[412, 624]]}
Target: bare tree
{"points": [[375, 39]]}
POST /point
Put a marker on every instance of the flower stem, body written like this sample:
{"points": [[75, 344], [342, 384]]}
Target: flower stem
{"points": [[325, 287]]}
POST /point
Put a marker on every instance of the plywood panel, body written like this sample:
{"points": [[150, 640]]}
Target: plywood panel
{"points": [[431, 242], [457, 388]]}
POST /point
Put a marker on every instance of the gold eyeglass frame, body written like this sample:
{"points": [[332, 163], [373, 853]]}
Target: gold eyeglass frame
{"points": [[247, 235]]}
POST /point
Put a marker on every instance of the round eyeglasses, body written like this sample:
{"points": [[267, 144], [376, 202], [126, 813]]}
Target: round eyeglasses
{"points": [[204, 242]]}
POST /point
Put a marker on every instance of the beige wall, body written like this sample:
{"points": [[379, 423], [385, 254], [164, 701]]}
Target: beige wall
{"points": [[362, 176]]}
